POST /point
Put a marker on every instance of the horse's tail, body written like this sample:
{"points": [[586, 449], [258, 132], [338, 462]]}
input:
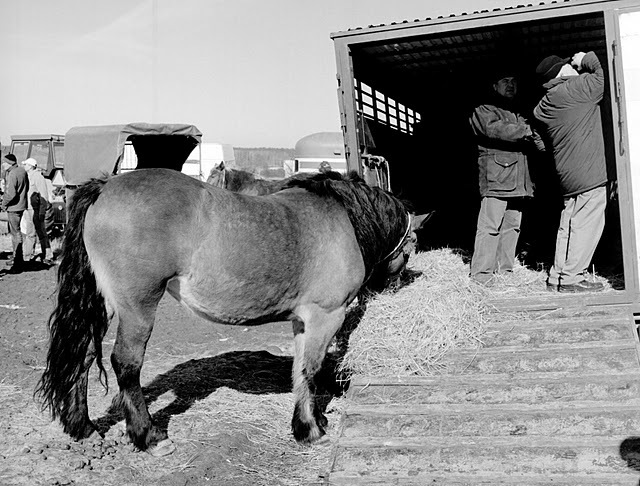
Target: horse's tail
{"points": [[79, 318]]}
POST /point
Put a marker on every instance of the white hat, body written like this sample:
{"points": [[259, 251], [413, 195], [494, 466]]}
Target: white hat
{"points": [[31, 161]]}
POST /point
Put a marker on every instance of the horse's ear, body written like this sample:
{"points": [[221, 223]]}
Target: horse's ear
{"points": [[418, 221], [221, 166]]}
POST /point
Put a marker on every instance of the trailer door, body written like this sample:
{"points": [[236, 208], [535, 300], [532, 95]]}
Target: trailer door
{"points": [[627, 91]]}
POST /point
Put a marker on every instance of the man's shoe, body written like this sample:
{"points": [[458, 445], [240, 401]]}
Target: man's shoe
{"points": [[552, 287], [583, 286]]}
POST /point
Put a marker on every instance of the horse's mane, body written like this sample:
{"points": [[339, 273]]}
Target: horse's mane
{"points": [[378, 218], [242, 181]]}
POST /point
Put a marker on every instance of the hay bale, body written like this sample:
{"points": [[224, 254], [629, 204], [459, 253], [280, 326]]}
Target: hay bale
{"points": [[408, 331]]}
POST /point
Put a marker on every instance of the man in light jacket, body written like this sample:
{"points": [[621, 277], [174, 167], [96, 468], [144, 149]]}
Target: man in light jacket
{"points": [[570, 114], [37, 205]]}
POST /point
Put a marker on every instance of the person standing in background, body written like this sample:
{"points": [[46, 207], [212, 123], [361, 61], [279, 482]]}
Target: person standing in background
{"points": [[14, 202], [502, 135], [570, 114], [37, 205]]}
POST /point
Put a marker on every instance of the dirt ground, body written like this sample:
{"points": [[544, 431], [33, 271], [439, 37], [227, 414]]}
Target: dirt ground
{"points": [[222, 392]]}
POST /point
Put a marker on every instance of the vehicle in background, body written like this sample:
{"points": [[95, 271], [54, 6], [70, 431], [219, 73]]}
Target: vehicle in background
{"points": [[85, 152], [92, 151], [205, 157], [319, 149], [198, 165], [47, 149]]}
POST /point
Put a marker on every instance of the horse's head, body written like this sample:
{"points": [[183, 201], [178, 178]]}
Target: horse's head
{"points": [[397, 259], [217, 176]]}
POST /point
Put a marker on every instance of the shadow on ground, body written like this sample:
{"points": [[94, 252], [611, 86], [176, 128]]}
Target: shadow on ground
{"points": [[254, 372]]}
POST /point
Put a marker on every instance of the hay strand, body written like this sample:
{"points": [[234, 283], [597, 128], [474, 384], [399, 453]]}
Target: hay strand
{"points": [[409, 331]]}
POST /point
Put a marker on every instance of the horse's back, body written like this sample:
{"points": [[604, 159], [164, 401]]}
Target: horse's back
{"points": [[148, 207]]}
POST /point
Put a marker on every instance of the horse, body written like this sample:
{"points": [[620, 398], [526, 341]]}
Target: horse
{"points": [[300, 254], [241, 181]]}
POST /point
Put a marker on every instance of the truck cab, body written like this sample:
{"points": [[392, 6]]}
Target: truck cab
{"points": [[47, 149]]}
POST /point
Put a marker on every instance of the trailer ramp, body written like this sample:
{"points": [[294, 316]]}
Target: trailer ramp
{"points": [[552, 397]]}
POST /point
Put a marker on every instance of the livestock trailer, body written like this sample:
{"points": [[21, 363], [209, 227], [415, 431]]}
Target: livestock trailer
{"points": [[406, 90]]}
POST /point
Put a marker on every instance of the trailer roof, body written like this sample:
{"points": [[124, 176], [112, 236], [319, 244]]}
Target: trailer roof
{"points": [[472, 45], [321, 144], [476, 14]]}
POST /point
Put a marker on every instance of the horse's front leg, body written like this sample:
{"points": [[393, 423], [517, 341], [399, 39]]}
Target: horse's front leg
{"points": [[313, 330]]}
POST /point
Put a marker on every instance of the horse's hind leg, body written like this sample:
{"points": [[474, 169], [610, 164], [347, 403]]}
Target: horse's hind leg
{"points": [[312, 338], [75, 415], [134, 330]]}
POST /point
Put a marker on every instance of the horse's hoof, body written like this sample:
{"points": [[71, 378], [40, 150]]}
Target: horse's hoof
{"points": [[162, 448]]}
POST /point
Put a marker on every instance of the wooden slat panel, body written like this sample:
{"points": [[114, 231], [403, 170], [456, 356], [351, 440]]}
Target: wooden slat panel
{"points": [[438, 421], [553, 400], [577, 358], [629, 478], [508, 456]]}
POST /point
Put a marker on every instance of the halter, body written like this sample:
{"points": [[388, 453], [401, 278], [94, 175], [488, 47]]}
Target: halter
{"points": [[224, 178], [401, 242]]}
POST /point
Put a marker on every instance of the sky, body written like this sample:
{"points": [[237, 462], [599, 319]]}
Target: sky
{"points": [[250, 73]]}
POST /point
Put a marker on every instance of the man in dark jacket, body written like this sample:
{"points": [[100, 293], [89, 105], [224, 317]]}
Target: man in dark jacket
{"points": [[570, 113], [14, 202], [502, 136]]}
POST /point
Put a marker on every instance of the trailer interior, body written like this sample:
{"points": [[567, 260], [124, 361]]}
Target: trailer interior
{"points": [[413, 98]]}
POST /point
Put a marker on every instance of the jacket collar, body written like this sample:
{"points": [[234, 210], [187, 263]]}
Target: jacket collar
{"points": [[555, 82]]}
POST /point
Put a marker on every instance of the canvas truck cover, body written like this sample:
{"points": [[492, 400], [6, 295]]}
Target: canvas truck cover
{"points": [[92, 151]]}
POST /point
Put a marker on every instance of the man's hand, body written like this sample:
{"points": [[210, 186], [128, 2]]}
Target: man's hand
{"points": [[576, 60]]}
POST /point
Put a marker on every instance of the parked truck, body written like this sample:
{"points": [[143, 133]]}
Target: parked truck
{"points": [[47, 149]]}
